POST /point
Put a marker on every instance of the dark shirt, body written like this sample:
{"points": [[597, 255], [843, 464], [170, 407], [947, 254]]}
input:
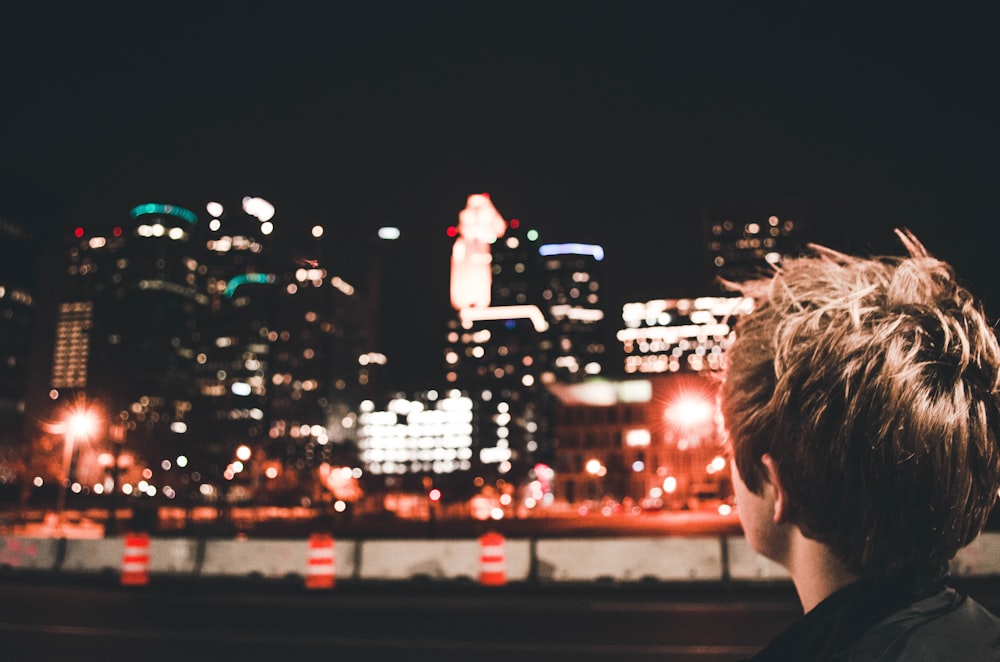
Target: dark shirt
{"points": [[889, 621]]}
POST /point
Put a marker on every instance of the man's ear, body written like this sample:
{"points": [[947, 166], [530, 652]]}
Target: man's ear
{"points": [[780, 496]]}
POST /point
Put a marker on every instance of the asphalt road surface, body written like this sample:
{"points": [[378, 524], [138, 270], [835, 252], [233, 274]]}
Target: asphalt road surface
{"points": [[55, 617]]}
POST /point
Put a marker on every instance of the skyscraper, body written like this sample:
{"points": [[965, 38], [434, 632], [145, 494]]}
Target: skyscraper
{"points": [[226, 364], [19, 266], [540, 324], [745, 239]]}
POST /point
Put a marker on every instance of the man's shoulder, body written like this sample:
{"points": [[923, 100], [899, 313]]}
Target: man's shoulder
{"points": [[945, 626]]}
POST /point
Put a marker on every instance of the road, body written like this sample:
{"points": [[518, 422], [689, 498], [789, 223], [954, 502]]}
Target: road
{"points": [[48, 617]]}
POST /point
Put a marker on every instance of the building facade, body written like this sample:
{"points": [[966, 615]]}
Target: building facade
{"points": [[223, 373], [19, 271], [654, 443]]}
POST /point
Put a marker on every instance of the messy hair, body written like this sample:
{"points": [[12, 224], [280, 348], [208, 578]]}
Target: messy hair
{"points": [[873, 383]]}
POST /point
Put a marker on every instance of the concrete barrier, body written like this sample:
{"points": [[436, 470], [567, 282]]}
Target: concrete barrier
{"points": [[23, 553], [101, 555], [746, 564], [438, 559], [541, 560], [629, 559], [269, 558]]}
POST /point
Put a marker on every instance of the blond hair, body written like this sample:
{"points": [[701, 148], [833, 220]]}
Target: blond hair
{"points": [[873, 383]]}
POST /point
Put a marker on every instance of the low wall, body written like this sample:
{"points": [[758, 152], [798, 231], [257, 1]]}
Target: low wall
{"points": [[544, 560]]}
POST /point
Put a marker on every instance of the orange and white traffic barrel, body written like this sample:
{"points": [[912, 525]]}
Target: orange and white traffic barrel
{"points": [[321, 570], [135, 561], [492, 568]]}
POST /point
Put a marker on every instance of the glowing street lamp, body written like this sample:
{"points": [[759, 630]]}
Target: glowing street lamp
{"points": [[80, 425], [690, 411]]}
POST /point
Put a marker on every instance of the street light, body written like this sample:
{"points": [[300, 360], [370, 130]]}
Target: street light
{"points": [[80, 424]]}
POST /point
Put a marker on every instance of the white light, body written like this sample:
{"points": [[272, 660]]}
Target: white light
{"points": [[388, 233], [717, 464], [258, 208], [266, 228], [670, 485], [179, 427], [243, 453], [214, 209], [239, 388], [317, 231], [531, 312], [182, 461], [214, 225]]}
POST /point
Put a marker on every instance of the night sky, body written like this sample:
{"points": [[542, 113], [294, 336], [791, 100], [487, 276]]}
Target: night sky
{"points": [[613, 123]]}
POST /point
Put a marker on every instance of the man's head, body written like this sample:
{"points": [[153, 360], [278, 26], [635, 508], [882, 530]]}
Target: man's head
{"points": [[873, 388]]}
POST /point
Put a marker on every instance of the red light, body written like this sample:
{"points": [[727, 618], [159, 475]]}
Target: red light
{"points": [[434, 495], [78, 232], [485, 194], [117, 232], [452, 231], [514, 223]]}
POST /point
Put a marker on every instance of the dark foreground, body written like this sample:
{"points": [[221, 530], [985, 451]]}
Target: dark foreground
{"points": [[52, 617]]}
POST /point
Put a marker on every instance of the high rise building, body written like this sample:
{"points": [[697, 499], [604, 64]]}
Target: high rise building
{"points": [[127, 334], [571, 292], [19, 271], [536, 319], [678, 335], [315, 386], [229, 372], [747, 239]]}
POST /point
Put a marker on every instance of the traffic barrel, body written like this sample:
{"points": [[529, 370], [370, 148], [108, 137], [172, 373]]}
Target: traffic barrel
{"points": [[492, 570], [321, 570], [135, 561]]}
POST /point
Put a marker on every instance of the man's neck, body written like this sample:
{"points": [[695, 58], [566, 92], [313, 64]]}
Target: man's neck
{"points": [[815, 571]]}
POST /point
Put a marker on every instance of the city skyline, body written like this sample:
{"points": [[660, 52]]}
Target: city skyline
{"points": [[612, 127]]}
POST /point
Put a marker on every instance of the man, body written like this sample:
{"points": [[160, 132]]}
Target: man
{"points": [[862, 403]]}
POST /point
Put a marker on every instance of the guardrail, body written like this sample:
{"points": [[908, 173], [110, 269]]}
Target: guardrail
{"points": [[529, 560]]}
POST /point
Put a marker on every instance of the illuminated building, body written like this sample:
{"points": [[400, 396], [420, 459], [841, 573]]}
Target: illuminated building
{"points": [[235, 353], [571, 294], [654, 442], [19, 254], [747, 239], [542, 323], [282, 357], [429, 435], [237, 371], [127, 332], [678, 335], [314, 385], [479, 226], [497, 349]]}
